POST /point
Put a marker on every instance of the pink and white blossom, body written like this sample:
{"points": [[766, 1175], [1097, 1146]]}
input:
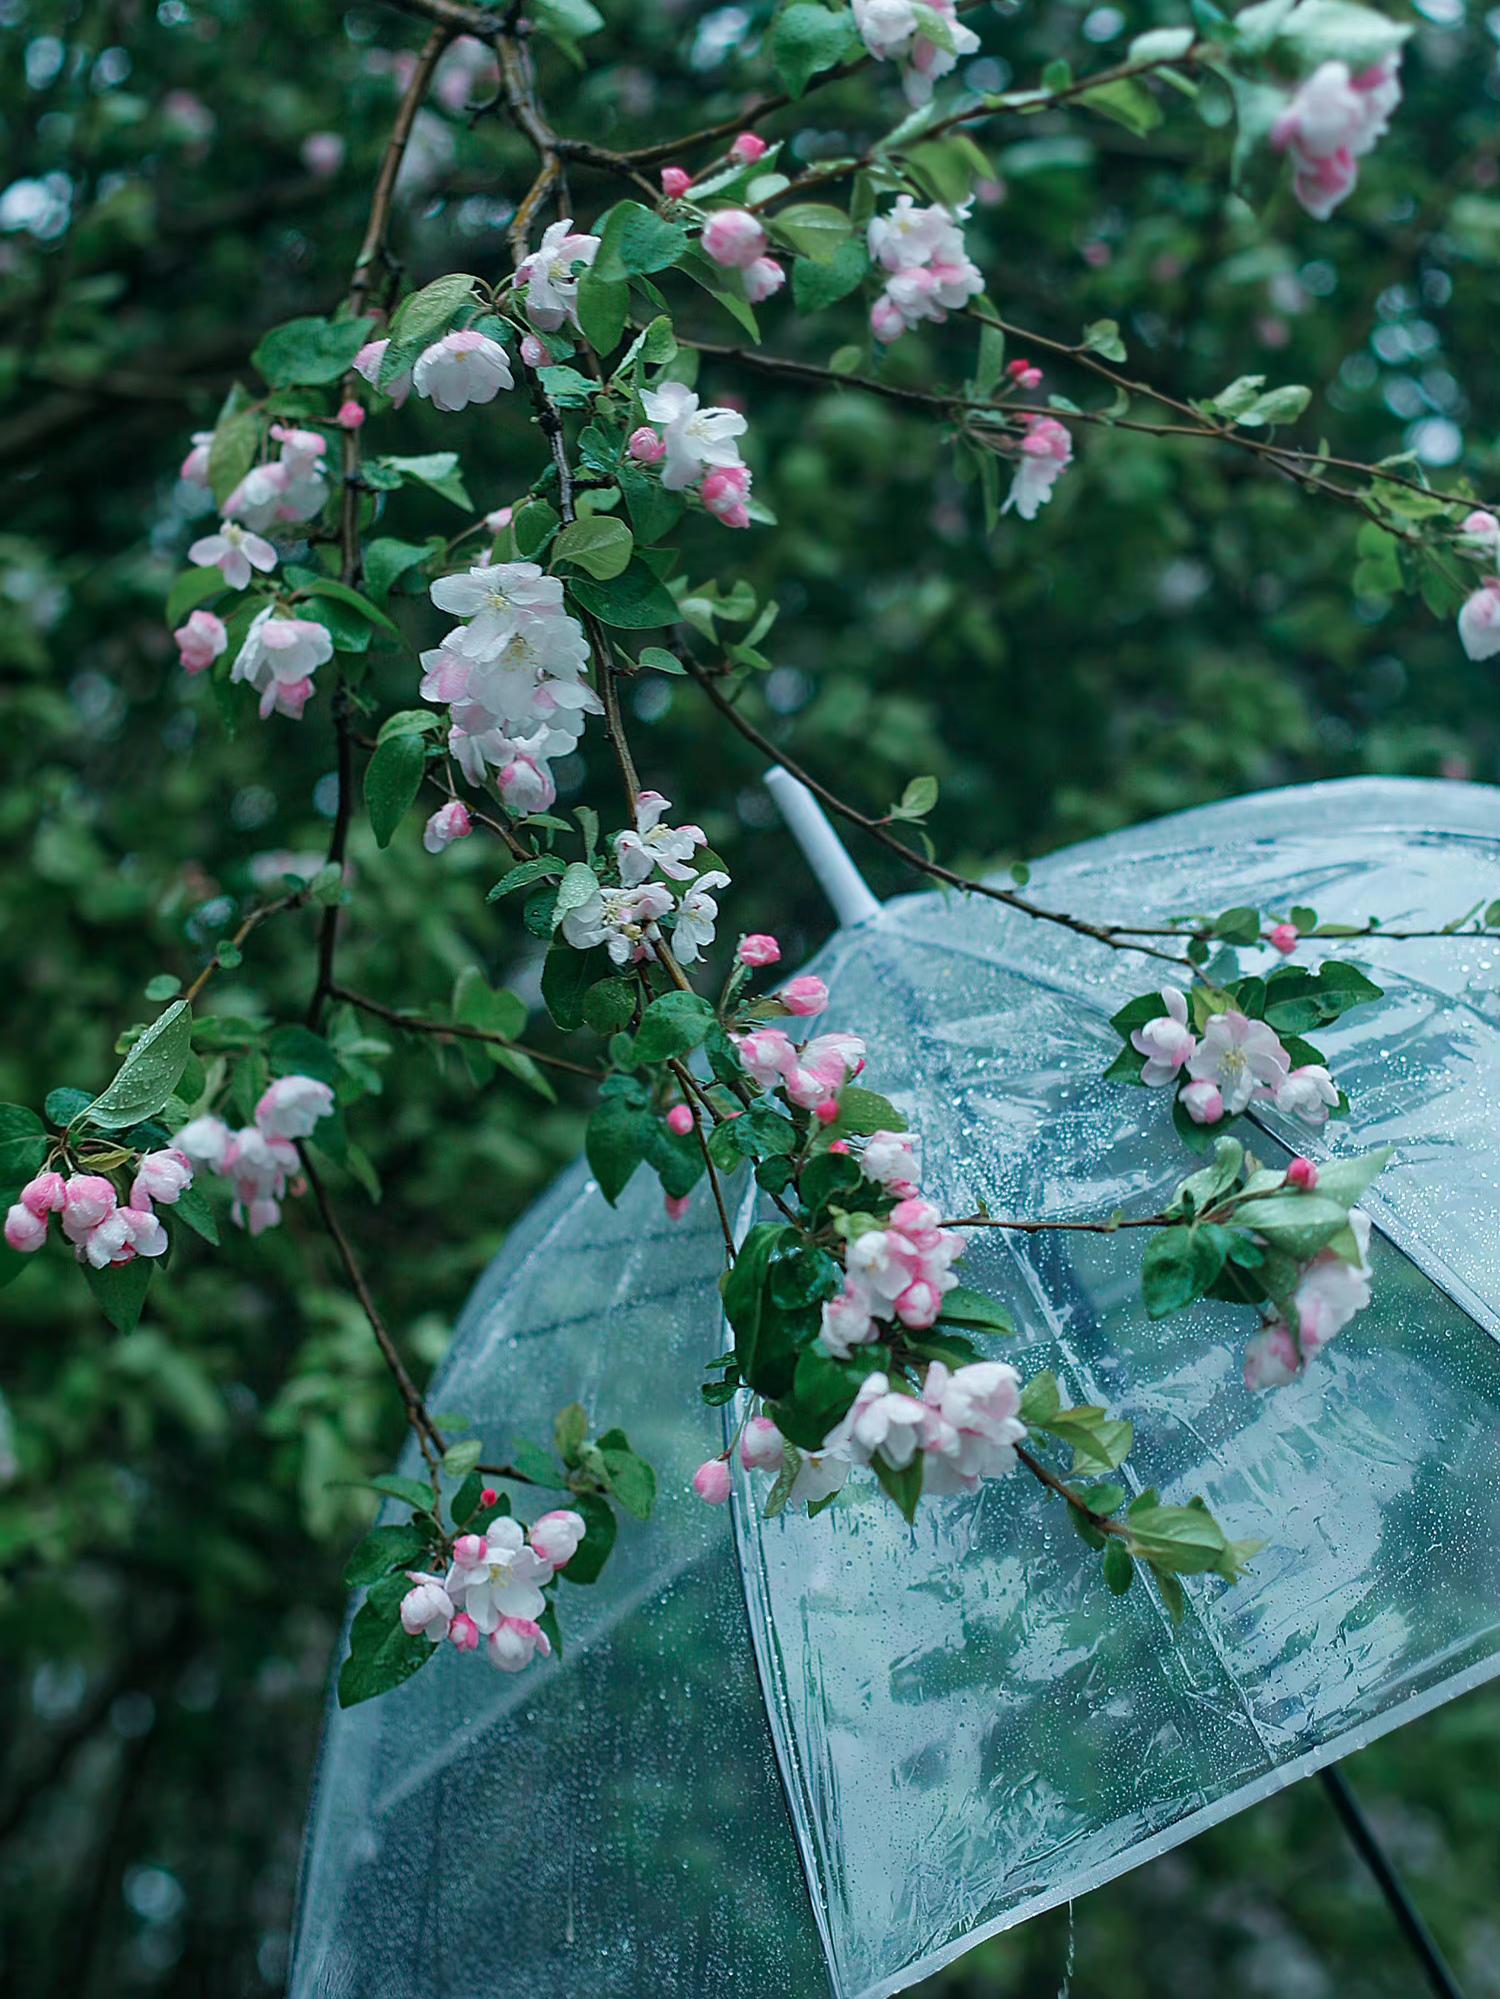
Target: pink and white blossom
{"points": [[1309, 1093], [367, 363], [883, 1423], [1332, 121], [1203, 1102], [549, 276], [462, 368], [200, 641], [758, 949], [427, 1609], [1167, 1042], [806, 996], [695, 440], [762, 1447], [234, 552], [556, 1537], [279, 658], [711, 1481], [205, 1141], [25, 1230], [894, 30], [930, 273], [652, 845], [1479, 621], [724, 494], [697, 915], [292, 1106], [890, 1160], [1046, 451], [1239, 1056], [733, 238], [625, 920], [971, 1424], [161, 1177], [503, 1580], [515, 1642], [763, 279], [449, 823]]}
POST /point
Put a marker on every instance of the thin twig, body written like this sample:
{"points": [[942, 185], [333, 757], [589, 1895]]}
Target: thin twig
{"points": [[450, 1030]]}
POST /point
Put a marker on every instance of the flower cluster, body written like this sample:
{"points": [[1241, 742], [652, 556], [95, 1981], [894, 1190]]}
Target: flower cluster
{"points": [[1330, 1291], [896, 30], [492, 1589], [278, 659], [810, 1075], [1479, 619], [899, 1273], [104, 1230], [1331, 122], [929, 272], [286, 491], [1235, 1062], [695, 447], [513, 678], [257, 1160], [627, 920], [1044, 454]]}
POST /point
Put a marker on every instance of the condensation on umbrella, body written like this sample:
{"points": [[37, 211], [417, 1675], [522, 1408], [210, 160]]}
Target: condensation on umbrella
{"points": [[791, 1756]]}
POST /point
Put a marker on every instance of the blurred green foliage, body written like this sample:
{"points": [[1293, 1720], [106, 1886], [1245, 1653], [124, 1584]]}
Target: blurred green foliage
{"points": [[1175, 627]]}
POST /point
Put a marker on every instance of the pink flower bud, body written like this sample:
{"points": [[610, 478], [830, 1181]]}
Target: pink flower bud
{"points": [[759, 949], [886, 322], [680, 1120], [763, 279], [676, 1206], [761, 1445], [827, 1112], [805, 996], [200, 641], [498, 521], [463, 1633], [733, 238], [1025, 374], [645, 447], [556, 1536], [24, 1229], [1302, 1173], [748, 148], [468, 1550], [1203, 1103], [533, 353], [87, 1199], [723, 494], [46, 1194], [675, 182], [351, 415], [488, 1496], [449, 823], [1286, 937], [711, 1481], [840, 1146]]}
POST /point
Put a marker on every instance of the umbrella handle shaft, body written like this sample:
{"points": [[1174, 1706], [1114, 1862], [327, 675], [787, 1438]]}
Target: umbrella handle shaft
{"points": [[1362, 1835]]}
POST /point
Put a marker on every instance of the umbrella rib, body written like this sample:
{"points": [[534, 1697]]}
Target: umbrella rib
{"points": [[1362, 1836]]}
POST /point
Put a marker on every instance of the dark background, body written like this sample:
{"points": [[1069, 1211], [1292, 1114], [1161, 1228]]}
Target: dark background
{"points": [[1175, 627]]}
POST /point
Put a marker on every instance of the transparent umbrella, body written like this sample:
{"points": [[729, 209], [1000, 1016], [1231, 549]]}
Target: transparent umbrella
{"points": [[792, 1755]]}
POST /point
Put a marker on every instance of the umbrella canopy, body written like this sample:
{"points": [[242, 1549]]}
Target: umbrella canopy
{"points": [[790, 1754]]}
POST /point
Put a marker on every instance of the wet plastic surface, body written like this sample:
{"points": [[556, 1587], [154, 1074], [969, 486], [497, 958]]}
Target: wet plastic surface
{"points": [[969, 1727]]}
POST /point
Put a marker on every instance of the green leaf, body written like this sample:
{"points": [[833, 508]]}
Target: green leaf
{"points": [[565, 20], [963, 1307], [1321, 31], [904, 1487], [813, 228], [410, 1491], [817, 285], [23, 1144], [149, 1073], [393, 777], [191, 587], [608, 1005], [805, 40], [672, 1025], [545, 867], [601, 545], [615, 1143], [384, 1549], [438, 472], [387, 560], [862, 1111], [330, 587], [603, 307], [310, 352], [569, 1428], [1040, 1399], [120, 1290], [460, 1459], [192, 1206], [635, 241], [633, 601], [429, 313], [1103, 337], [1119, 1566], [917, 800], [1179, 1265], [579, 885], [235, 446], [599, 1538], [566, 976], [381, 1653], [1161, 44], [1183, 1538], [632, 1482], [1127, 103]]}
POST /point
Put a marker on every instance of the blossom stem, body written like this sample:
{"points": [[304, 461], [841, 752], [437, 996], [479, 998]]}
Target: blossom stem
{"points": [[1100, 1522], [429, 1437], [449, 1030]]}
